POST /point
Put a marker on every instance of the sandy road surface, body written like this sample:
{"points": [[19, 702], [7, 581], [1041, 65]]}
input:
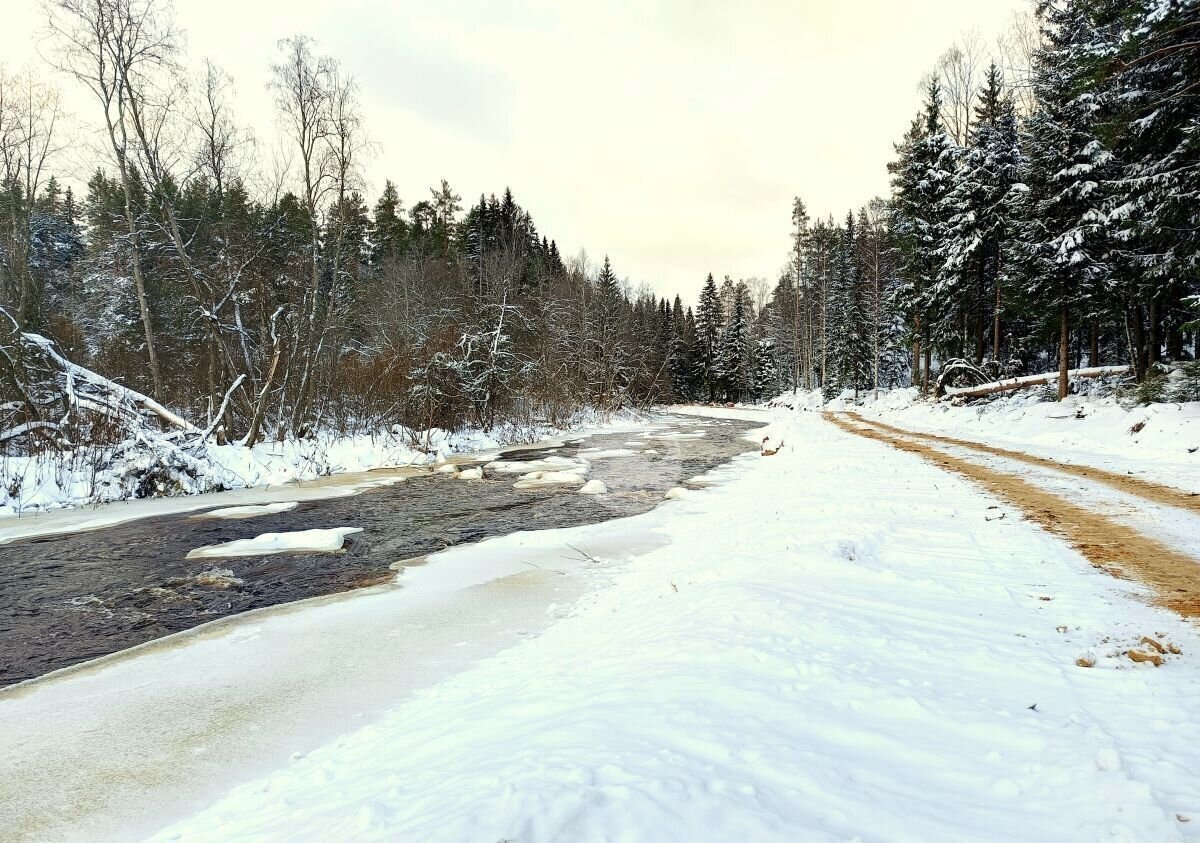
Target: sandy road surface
{"points": [[1124, 551]]}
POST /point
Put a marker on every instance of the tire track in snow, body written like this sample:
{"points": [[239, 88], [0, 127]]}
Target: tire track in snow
{"points": [[1151, 491], [1113, 547]]}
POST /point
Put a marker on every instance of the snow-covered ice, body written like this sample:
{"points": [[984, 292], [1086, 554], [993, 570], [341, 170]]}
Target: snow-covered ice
{"points": [[315, 541], [529, 466], [541, 479], [593, 487], [250, 511]]}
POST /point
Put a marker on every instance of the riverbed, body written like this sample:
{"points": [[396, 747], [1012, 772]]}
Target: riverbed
{"points": [[71, 597]]}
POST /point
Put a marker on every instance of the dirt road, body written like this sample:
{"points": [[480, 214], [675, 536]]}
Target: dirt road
{"points": [[1115, 547]]}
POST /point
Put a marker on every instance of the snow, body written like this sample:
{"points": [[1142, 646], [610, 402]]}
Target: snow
{"points": [[315, 541], [58, 481], [530, 466], [838, 642], [593, 487], [471, 474], [540, 479], [1159, 442], [251, 511], [270, 472]]}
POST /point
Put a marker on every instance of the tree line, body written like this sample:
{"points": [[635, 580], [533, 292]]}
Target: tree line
{"points": [[1042, 214], [268, 298]]}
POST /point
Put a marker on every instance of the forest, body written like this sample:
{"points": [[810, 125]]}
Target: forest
{"points": [[1041, 216], [263, 299]]}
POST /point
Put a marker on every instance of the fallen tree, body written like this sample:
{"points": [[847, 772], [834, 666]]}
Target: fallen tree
{"points": [[48, 400], [946, 393]]}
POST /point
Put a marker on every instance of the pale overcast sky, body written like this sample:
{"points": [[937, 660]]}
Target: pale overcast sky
{"points": [[670, 135]]}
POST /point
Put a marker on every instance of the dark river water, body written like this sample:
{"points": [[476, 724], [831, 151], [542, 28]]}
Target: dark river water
{"points": [[72, 597]]}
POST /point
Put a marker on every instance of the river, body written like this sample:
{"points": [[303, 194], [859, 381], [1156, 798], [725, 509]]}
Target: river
{"points": [[71, 597]]}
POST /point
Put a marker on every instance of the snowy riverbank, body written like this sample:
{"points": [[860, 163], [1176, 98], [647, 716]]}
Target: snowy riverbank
{"points": [[838, 642], [49, 482]]}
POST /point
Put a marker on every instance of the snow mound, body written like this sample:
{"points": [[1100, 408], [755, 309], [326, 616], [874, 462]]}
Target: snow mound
{"points": [[251, 511], [677, 494], [311, 541], [593, 487], [471, 474], [446, 469]]}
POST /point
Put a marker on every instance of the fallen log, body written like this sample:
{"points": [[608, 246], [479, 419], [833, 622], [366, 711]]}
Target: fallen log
{"points": [[1028, 380]]}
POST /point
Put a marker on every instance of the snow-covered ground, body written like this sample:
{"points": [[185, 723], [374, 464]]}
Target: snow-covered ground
{"points": [[839, 642]]}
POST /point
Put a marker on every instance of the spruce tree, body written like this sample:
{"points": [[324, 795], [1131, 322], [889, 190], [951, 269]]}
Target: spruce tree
{"points": [[389, 231], [922, 178], [709, 325], [981, 208], [1064, 228]]}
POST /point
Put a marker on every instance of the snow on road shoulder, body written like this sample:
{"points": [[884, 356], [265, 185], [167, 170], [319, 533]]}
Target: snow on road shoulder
{"points": [[839, 641]]}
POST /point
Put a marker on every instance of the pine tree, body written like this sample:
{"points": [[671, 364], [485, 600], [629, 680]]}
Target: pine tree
{"points": [[849, 341], [732, 354], [1157, 137], [765, 381], [389, 231], [981, 209], [680, 355], [922, 178], [1064, 230], [709, 325]]}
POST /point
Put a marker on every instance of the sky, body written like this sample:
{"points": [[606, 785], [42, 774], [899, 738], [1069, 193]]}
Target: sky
{"points": [[670, 135]]}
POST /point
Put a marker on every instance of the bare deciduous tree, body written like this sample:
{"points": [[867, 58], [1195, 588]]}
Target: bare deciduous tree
{"points": [[961, 69], [114, 47]]}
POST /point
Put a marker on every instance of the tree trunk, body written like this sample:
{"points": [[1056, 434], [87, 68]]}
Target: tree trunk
{"points": [[928, 350], [139, 285], [1139, 342], [1154, 341], [1094, 344], [996, 325], [1064, 350], [1027, 381]]}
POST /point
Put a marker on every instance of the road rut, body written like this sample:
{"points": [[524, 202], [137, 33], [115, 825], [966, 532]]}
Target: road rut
{"points": [[1115, 548]]}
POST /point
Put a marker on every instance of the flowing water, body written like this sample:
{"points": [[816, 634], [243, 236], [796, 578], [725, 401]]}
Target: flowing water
{"points": [[71, 597]]}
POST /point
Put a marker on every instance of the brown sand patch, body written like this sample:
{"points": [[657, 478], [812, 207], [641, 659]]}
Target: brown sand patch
{"points": [[1117, 549]]}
